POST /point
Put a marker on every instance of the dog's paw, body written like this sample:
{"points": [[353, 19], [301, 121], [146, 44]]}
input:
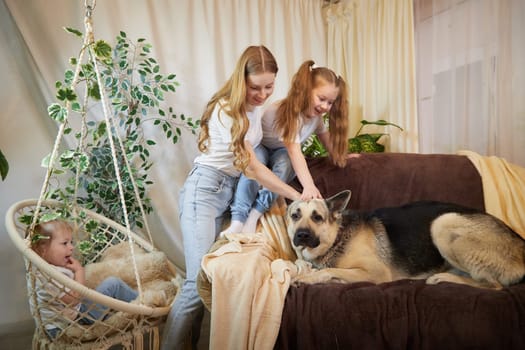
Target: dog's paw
{"points": [[443, 277], [303, 279], [318, 276]]}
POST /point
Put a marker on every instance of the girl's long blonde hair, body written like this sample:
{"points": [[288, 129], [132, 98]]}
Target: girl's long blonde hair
{"points": [[298, 101], [254, 60]]}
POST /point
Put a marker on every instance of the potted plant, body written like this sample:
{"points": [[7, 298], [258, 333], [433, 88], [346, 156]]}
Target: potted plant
{"points": [[357, 144], [369, 142]]}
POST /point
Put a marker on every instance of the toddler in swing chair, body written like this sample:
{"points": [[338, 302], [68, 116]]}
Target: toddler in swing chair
{"points": [[54, 244]]}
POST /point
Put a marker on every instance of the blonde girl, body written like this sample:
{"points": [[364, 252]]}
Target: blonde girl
{"points": [[230, 129], [314, 93]]}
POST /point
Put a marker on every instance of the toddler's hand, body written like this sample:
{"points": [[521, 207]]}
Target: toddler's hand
{"points": [[74, 265]]}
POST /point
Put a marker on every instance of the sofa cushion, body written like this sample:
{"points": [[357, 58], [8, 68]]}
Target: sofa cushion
{"points": [[391, 179]]}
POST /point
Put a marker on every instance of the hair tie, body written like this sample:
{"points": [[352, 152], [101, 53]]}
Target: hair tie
{"points": [[313, 66]]}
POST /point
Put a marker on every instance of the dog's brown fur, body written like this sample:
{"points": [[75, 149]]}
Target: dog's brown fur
{"points": [[447, 243]]}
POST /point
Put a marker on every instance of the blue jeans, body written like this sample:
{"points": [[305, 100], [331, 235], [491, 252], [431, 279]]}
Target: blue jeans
{"points": [[249, 193], [204, 198], [113, 287]]}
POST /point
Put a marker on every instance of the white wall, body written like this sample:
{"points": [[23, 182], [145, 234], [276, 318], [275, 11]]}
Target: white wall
{"points": [[24, 139]]}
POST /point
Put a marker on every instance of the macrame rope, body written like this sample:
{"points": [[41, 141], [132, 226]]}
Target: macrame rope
{"points": [[135, 187], [59, 137], [89, 29], [49, 171], [80, 147]]}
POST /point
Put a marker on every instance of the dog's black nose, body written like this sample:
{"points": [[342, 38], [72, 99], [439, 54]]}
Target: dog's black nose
{"points": [[305, 237]]}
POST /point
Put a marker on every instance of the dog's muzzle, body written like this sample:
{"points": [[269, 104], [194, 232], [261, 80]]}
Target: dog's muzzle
{"points": [[306, 238]]}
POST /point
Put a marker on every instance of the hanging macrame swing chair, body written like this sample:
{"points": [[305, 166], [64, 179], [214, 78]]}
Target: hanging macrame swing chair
{"points": [[133, 325]]}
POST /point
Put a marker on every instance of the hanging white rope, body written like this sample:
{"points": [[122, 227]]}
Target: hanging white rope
{"points": [[45, 184], [61, 129], [110, 128]]}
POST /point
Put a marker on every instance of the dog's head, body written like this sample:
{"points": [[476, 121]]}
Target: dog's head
{"points": [[313, 225]]}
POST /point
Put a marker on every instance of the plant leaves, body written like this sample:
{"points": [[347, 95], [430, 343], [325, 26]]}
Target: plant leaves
{"points": [[57, 112], [4, 166], [38, 237], [66, 94], [102, 49], [365, 143], [94, 91], [380, 122], [49, 217], [73, 31]]}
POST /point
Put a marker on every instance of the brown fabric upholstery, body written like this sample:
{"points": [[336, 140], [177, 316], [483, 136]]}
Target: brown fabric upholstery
{"points": [[391, 179], [406, 314]]}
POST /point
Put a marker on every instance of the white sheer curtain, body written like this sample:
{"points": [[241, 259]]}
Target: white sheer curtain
{"points": [[198, 40], [471, 76], [371, 44]]}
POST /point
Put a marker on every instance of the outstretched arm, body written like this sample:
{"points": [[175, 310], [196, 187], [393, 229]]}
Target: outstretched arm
{"points": [[310, 191], [267, 178]]}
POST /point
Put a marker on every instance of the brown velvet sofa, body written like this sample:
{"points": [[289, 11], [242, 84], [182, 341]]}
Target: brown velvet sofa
{"points": [[406, 314]]}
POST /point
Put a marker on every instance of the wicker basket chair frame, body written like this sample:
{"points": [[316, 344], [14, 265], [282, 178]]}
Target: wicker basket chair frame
{"points": [[128, 323]]}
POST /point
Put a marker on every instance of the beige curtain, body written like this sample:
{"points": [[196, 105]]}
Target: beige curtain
{"points": [[371, 44], [471, 76]]}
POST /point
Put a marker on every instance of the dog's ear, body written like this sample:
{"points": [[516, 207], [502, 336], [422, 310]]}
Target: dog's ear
{"points": [[338, 202]]}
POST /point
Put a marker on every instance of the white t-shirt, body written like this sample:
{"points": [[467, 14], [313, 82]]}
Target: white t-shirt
{"points": [[48, 295], [307, 126], [219, 154]]}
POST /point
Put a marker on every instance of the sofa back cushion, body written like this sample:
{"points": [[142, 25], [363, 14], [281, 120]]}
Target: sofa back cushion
{"points": [[390, 179]]}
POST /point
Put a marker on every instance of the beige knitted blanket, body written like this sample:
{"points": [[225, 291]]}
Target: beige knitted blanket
{"points": [[249, 282], [503, 189]]}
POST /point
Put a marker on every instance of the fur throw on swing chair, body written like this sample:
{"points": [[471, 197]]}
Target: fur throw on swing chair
{"points": [[159, 280], [158, 291]]}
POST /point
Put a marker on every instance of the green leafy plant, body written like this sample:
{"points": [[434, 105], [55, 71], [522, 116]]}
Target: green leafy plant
{"points": [[4, 166], [134, 88], [357, 144], [369, 142]]}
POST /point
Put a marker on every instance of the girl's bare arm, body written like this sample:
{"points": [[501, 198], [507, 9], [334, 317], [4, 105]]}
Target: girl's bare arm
{"points": [[310, 191]]}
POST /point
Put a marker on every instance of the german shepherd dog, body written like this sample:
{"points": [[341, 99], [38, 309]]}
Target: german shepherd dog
{"points": [[439, 242]]}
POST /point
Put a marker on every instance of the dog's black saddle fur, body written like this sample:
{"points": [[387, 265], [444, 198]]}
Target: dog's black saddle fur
{"points": [[408, 229]]}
